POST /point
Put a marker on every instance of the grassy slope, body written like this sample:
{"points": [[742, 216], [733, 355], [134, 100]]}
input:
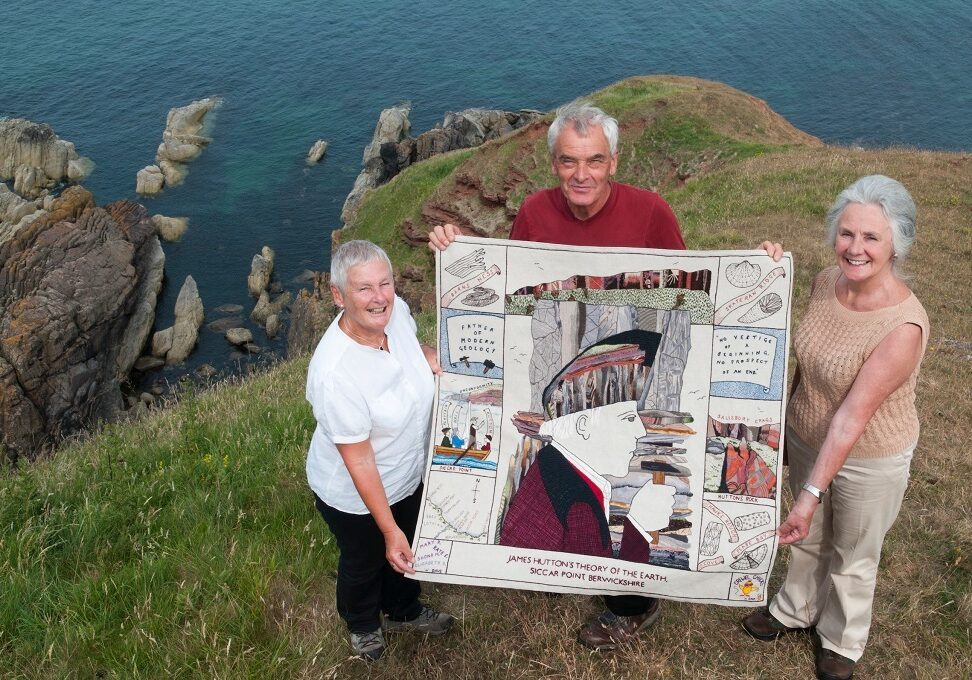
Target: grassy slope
{"points": [[187, 545]]}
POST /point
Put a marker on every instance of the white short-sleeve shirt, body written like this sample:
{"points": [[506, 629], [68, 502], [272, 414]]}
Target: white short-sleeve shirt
{"points": [[360, 393]]}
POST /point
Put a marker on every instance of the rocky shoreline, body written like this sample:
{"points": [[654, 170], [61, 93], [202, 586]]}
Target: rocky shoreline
{"points": [[79, 283], [391, 149]]}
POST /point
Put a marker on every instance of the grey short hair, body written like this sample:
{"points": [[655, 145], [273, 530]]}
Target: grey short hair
{"points": [[351, 254], [895, 202], [582, 115]]}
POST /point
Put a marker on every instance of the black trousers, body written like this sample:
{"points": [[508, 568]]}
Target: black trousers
{"points": [[628, 605], [366, 584]]}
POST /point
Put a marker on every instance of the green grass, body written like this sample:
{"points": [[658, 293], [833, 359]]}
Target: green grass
{"points": [[733, 195], [629, 98], [399, 200], [165, 548], [675, 148]]}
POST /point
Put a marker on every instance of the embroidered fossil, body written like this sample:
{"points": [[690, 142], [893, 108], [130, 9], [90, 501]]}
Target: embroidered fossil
{"points": [[710, 541], [745, 298], [766, 306], [753, 520], [750, 560], [480, 297], [473, 262], [743, 274]]}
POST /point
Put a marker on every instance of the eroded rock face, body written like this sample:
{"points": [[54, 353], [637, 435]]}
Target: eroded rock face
{"points": [[15, 211], [469, 128], [77, 288], [143, 314], [34, 157], [310, 316], [393, 126], [391, 149]]}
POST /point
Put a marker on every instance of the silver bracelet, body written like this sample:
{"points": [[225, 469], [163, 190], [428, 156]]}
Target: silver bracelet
{"points": [[814, 491]]}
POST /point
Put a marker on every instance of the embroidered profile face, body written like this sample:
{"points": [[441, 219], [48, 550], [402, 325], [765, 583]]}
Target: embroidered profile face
{"points": [[604, 437]]}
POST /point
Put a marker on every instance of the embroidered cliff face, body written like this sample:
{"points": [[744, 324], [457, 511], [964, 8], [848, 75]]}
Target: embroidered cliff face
{"points": [[584, 166], [604, 438], [368, 299], [864, 245]]}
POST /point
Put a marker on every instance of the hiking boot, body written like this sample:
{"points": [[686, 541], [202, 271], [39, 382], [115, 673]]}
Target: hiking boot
{"points": [[764, 626], [368, 645], [831, 665], [429, 621], [608, 630]]}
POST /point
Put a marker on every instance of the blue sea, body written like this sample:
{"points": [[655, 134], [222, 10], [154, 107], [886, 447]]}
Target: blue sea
{"points": [[105, 74]]}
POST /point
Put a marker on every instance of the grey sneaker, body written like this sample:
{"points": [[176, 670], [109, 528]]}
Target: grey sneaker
{"points": [[429, 621], [368, 645]]}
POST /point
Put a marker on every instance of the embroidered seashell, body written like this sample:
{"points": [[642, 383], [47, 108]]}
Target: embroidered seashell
{"points": [[743, 274], [750, 560], [768, 305]]}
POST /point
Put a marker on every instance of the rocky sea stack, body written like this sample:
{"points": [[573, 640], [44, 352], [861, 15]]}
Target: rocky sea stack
{"points": [[182, 141], [35, 158]]}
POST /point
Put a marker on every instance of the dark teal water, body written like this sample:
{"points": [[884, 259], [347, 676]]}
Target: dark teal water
{"points": [[105, 74]]}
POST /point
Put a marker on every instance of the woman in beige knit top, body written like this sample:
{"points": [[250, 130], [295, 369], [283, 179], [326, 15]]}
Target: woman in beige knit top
{"points": [[851, 425]]}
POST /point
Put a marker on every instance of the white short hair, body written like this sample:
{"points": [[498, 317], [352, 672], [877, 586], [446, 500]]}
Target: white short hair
{"points": [[582, 115], [351, 254]]}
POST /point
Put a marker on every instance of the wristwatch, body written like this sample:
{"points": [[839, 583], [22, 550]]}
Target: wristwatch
{"points": [[814, 491]]}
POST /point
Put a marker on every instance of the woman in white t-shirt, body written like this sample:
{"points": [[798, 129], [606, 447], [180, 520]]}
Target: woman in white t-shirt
{"points": [[370, 384]]}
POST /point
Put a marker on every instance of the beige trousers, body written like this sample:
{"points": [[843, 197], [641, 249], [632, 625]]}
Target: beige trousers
{"points": [[832, 573]]}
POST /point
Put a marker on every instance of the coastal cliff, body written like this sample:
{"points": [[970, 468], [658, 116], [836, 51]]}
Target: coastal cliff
{"points": [[674, 130]]}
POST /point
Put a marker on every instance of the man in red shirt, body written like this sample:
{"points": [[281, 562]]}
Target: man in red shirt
{"points": [[589, 209]]}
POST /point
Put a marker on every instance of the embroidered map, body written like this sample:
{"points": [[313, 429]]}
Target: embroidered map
{"points": [[609, 420]]}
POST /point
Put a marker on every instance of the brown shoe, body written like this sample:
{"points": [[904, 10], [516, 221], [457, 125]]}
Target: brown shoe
{"points": [[764, 626], [608, 630], [831, 665]]}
